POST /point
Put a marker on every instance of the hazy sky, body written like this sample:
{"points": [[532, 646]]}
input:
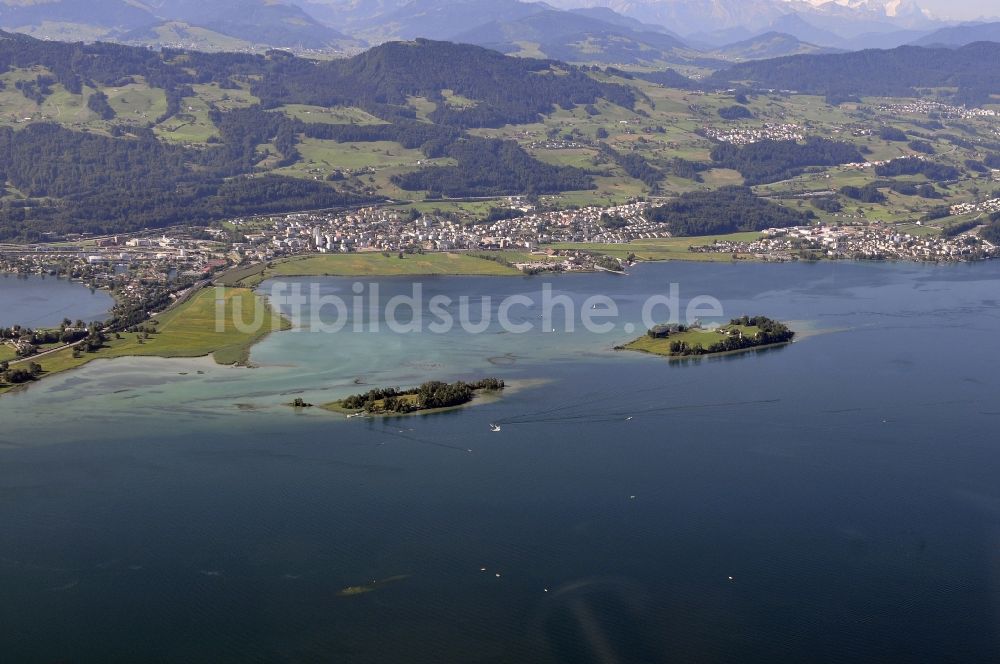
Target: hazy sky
{"points": [[961, 9]]}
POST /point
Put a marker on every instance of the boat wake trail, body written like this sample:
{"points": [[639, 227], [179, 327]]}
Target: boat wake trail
{"points": [[584, 411]]}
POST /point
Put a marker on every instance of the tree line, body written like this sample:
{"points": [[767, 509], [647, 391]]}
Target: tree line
{"points": [[432, 394], [769, 332], [771, 161], [725, 210], [493, 167], [914, 166]]}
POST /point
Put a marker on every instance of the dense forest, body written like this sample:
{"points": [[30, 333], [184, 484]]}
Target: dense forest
{"points": [[735, 112], [991, 232], [892, 134], [973, 69], [771, 161], [491, 167], [81, 182], [725, 210], [635, 166], [866, 194], [914, 166]]}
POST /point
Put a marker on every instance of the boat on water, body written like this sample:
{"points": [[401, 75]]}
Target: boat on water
{"points": [[494, 427]]}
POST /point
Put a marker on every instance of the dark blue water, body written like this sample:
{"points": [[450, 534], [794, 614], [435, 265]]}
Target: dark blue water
{"points": [[44, 301], [847, 483]]}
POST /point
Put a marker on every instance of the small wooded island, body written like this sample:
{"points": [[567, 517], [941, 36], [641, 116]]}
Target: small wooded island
{"points": [[744, 333], [432, 395]]}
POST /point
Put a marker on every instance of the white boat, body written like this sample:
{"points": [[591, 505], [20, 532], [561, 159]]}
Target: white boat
{"points": [[494, 427]]}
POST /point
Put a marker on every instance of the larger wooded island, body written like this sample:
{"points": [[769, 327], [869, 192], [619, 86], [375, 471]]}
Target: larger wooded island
{"points": [[433, 395], [744, 333]]}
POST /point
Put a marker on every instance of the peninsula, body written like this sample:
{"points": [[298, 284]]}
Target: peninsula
{"points": [[187, 329], [740, 334]]}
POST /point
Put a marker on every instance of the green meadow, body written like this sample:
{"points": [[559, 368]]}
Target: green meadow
{"points": [[370, 264], [661, 249]]}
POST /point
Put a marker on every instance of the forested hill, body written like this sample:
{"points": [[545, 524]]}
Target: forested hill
{"points": [[974, 70], [75, 65], [506, 90], [112, 168]]}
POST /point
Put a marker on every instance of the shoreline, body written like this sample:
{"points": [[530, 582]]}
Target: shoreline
{"points": [[683, 358], [259, 278], [235, 353], [238, 353], [740, 335], [481, 398]]}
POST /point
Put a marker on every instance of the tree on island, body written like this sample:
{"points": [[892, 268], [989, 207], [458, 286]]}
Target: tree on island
{"points": [[432, 394], [733, 336]]}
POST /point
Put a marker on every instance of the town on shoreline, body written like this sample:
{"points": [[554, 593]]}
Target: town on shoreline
{"points": [[151, 273], [515, 234]]}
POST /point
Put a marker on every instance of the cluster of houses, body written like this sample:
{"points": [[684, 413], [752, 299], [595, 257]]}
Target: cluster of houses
{"points": [[387, 229], [618, 224], [127, 265], [555, 144], [853, 166], [858, 242], [923, 107], [747, 134], [989, 207]]}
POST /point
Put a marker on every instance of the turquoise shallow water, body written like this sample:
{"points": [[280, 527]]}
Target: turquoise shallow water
{"points": [[846, 483], [42, 301]]}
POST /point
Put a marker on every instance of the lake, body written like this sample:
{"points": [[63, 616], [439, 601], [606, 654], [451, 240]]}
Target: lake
{"points": [[832, 500], [35, 301]]}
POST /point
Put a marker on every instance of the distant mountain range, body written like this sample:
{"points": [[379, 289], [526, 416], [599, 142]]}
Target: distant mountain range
{"points": [[576, 37], [653, 32], [960, 35], [770, 45], [973, 70], [267, 22], [848, 18]]}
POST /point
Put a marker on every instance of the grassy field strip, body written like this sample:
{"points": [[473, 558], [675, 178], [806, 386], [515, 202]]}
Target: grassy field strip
{"points": [[369, 265], [692, 338], [659, 249]]}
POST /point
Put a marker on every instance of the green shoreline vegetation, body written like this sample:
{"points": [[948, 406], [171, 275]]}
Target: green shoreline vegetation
{"points": [[188, 330], [432, 396], [740, 334]]}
